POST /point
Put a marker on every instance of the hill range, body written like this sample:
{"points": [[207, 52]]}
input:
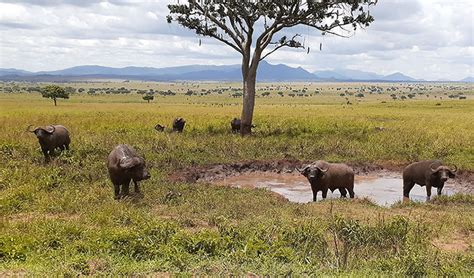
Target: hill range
{"points": [[266, 72]]}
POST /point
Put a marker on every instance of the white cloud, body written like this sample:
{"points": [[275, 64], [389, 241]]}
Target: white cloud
{"points": [[429, 39]]}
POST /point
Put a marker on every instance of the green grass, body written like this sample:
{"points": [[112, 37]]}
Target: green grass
{"points": [[61, 218]]}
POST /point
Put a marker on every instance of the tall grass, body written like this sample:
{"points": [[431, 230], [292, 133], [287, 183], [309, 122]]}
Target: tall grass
{"points": [[61, 219]]}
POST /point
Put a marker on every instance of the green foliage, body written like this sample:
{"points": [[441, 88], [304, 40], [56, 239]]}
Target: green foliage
{"points": [[148, 97], [54, 92]]}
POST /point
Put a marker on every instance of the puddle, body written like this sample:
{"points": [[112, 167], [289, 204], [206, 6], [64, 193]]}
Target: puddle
{"points": [[384, 190]]}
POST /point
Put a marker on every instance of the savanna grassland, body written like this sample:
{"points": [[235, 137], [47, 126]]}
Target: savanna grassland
{"points": [[61, 219]]}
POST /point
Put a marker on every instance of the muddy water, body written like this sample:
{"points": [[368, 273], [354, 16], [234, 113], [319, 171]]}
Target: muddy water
{"points": [[384, 189]]}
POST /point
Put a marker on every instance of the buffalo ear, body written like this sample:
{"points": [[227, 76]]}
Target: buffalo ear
{"points": [[129, 162], [303, 171], [451, 174]]}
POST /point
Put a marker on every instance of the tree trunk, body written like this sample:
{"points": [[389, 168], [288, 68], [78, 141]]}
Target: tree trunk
{"points": [[249, 82], [54, 101], [249, 78]]}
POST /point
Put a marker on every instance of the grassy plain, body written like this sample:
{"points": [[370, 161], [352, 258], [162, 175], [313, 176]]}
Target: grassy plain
{"points": [[61, 218]]}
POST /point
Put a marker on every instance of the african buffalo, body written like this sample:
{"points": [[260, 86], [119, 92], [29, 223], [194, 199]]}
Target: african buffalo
{"points": [[125, 165], [50, 138], [235, 125], [429, 173], [178, 124], [159, 128], [323, 176]]}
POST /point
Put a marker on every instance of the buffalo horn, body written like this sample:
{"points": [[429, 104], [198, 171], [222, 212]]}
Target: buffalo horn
{"points": [[303, 169], [48, 130], [434, 169], [28, 129], [129, 162], [323, 170], [455, 169]]}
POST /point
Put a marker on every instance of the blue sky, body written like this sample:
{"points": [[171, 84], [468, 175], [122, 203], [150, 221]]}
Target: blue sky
{"points": [[428, 39]]}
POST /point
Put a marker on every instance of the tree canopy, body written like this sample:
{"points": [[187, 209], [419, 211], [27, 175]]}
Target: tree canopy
{"points": [[148, 97], [54, 92]]}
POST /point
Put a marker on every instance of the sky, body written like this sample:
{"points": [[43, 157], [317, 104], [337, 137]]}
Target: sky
{"points": [[428, 39]]}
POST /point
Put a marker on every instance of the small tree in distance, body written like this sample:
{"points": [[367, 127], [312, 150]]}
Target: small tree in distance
{"points": [[148, 98], [54, 92], [249, 27]]}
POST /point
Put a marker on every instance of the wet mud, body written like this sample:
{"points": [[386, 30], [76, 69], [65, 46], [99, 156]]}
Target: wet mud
{"points": [[383, 190], [381, 184]]}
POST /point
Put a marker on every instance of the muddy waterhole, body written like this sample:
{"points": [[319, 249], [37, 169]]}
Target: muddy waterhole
{"points": [[384, 189]]}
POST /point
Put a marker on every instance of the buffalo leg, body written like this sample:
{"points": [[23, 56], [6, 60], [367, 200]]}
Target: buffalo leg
{"points": [[125, 189], [46, 155], [137, 187], [315, 194], [351, 192], [439, 190], [116, 191], [407, 186], [325, 193], [428, 192], [66, 146], [343, 192]]}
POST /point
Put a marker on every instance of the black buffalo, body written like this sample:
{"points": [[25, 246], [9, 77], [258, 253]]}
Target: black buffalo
{"points": [[178, 124], [429, 173]]}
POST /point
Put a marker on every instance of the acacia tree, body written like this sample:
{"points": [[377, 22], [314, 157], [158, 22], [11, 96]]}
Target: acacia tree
{"points": [[148, 97], [249, 27], [54, 92]]}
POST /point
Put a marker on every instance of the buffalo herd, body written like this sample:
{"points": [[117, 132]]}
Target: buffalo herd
{"points": [[124, 165]]}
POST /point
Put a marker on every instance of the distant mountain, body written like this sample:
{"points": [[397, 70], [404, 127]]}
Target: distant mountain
{"points": [[282, 72], [469, 79], [131, 71], [398, 77], [266, 72], [14, 72], [357, 75], [330, 74], [360, 75]]}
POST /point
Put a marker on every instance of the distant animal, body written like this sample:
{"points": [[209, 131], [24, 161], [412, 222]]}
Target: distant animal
{"points": [[125, 165], [429, 173], [178, 124], [50, 138], [235, 125], [379, 128], [324, 176], [159, 128]]}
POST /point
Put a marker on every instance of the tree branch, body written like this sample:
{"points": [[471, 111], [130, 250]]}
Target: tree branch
{"points": [[221, 25], [290, 43]]}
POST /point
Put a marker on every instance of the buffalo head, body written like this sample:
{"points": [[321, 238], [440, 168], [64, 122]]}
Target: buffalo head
{"points": [[136, 166], [443, 172], [41, 132], [312, 171]]}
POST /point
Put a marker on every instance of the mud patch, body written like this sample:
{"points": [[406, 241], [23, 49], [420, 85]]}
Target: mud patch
{"points": [[214, 172], [384, 190], [383, 185]]}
